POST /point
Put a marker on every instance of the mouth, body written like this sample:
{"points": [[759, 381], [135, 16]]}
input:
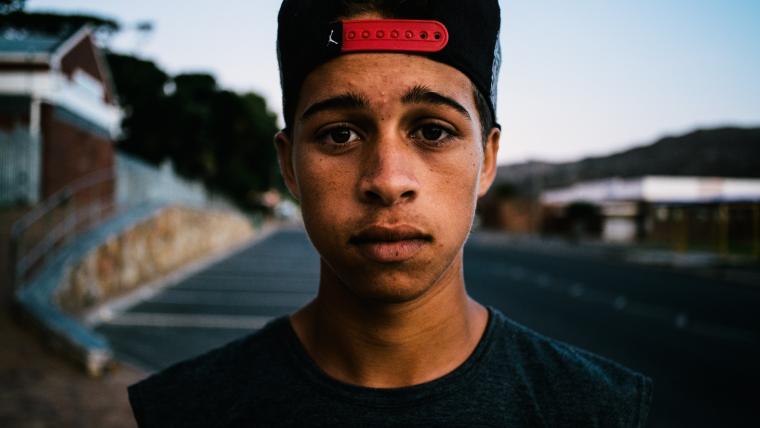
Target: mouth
{"points": [[390, 244]]}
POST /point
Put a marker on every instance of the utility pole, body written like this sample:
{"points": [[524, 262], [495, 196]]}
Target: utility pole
{"points": [[681, 238], [724, 218]]}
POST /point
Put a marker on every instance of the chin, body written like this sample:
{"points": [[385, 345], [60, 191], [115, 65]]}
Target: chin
{"points": [[387, 294], [386, 284]]}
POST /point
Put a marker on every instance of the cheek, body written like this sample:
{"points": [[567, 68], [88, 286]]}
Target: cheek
{"points": [[325, 190], [452, 199], [458, 180]]}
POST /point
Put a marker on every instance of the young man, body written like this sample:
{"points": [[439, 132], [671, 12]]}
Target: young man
{"points": [[390, 139]]}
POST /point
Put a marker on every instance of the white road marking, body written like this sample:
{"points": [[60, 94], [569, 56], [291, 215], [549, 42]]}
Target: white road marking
{"points": [[544, 281], [646, 310], [517, 273], [722, 332], [620, 303], [663, 314], [143, 319], [577, 290], [681, 320]]}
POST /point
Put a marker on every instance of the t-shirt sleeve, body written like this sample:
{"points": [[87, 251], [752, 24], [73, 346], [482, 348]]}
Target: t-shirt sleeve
{"points": [[644, 402], [165, 400], [136, 400]]}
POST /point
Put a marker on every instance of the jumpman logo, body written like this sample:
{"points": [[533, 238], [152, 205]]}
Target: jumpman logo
{"points": [[330, 39]]}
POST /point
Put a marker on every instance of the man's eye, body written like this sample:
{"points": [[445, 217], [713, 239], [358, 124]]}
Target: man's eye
{"points": [[339, 135], [432, 133]]}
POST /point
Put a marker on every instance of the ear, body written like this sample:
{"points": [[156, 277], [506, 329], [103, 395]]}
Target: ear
{"points": [[490, 152], [284, 146]]}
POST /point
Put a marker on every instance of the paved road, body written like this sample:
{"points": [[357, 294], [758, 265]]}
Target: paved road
{"points": [[698, 339]]}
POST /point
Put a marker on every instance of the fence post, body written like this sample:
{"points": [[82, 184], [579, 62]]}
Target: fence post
{"points": [[39, 230], [14, 252]]}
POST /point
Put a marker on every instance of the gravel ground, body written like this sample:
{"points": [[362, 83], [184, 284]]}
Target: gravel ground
{"points": [[40, 389]]}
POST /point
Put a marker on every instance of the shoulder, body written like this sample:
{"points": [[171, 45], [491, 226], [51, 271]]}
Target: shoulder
{"points": [[565, 383], [187, 392]]}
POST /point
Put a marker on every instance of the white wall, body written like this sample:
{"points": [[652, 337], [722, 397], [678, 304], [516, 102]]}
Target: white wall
{"points": [[77, 95], [138, 182]]}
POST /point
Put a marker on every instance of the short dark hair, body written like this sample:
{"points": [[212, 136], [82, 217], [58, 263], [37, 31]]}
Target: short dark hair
{"points": [[385, 8], [484, 113]]}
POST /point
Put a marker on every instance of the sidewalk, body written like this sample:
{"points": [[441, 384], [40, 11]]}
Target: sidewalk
{"points": [[40, 389]]}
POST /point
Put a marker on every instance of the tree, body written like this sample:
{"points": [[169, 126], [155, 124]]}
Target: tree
{"points": [[209, 134], [140, 88], [52, 23], [11, 6]]}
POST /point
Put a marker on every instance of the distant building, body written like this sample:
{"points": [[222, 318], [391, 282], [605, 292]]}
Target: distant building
{"points": [[58, 115], [683, 211]]}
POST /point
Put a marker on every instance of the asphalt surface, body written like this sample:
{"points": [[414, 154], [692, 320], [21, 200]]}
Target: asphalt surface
{"points": [[698, 338]]}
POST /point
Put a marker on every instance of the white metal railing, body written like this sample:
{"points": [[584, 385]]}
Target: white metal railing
{"points": [[57, 219]]}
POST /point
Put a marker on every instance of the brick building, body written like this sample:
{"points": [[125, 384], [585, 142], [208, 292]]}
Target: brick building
{"points": [[58, 116], [58, 120]]}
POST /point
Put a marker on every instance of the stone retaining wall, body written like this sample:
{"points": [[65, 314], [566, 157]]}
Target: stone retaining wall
{"points": [[174, 237]]}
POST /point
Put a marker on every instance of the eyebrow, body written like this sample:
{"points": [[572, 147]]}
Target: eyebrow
{"points": [[346, 101], [421, 94]]}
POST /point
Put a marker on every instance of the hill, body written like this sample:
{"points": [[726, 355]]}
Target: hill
{"points": [[724, 152]]}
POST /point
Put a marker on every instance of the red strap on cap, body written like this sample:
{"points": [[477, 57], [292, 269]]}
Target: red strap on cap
{"points": [[403, 35]]}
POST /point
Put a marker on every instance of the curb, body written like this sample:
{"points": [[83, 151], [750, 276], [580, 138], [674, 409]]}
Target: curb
{"points": [[107, 310], [36, 298]]}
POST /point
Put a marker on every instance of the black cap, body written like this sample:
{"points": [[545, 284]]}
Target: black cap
{"points": [[305, 26]]}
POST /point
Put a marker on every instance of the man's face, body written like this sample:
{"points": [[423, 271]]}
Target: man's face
{"points": [[387, 160]]}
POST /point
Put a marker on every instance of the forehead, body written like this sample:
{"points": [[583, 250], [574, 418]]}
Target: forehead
{"points": [[384, 77]]}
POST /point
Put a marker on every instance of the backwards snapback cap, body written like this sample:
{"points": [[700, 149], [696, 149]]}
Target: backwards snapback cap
{"points": [[462, 34]]}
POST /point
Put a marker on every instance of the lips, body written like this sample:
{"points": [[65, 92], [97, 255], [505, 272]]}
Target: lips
{"points": [[390, 244]]}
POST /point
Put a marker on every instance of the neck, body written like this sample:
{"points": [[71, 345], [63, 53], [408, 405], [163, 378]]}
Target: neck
{"points": [[389, 345]]}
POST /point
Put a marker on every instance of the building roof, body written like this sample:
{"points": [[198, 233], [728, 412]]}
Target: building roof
{"points": [[66, 70], [21, 45], [657, 189], [20, 41]]}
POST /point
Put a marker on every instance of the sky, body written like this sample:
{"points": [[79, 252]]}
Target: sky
{"points": [[581, 78]]}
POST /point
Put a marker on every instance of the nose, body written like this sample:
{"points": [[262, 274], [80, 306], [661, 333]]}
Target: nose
{"points": [[388, 173]]}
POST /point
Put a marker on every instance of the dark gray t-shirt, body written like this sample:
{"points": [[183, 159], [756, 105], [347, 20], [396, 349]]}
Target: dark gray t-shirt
{"points": [[514, 378]]}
